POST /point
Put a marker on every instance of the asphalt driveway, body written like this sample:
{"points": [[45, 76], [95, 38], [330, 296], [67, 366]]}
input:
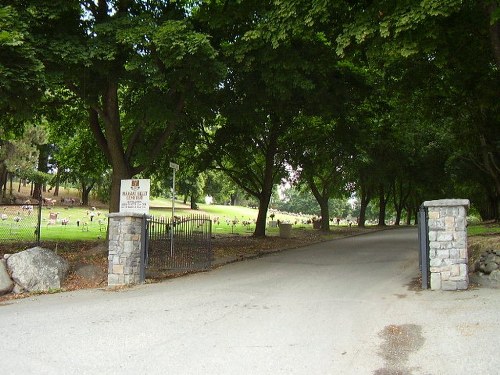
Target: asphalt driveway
{"points": [[347, 306]]}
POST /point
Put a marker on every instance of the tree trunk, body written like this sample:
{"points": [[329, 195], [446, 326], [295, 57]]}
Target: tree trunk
{"points": [[267, 186], [408, 215], [233, 198], [86, 189], [491, 167], [3, 178], [58, 182], [43, 160], [105, 125], [322, 198], [365, 200], [400, 197], [382, 206], [362, 213], [397, 222], [194, 206], [325, 215], [11, 182], [118, 174], [260, 224]]}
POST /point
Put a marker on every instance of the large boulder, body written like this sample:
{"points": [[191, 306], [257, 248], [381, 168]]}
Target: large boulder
{"points": [[37, 269], [6, 283]]}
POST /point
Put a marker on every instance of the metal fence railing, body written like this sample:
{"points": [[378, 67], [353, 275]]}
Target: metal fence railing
{"points": [[20, 223], [191, 247]]}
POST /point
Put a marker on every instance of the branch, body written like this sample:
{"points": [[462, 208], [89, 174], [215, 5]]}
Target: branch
{"points": [[233, 176], [162, 140], [133, 141], [98, 134]]}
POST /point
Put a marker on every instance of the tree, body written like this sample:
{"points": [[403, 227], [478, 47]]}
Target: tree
{"points": [[322, 151], [278, 68], [73, 153], [138, 67], [21, 79], [19, 156], [251, 157], [464, 84]]}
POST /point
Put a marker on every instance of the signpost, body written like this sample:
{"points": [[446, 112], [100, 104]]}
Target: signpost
{"points": [[175, 167]]}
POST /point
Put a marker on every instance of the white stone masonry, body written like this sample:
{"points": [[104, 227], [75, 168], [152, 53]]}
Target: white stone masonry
{"points": [[125, 247], [447, 228]]}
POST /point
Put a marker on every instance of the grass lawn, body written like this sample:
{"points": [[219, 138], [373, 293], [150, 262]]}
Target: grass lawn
{"points": [[66, 223], [76, 223], [483, 229]]}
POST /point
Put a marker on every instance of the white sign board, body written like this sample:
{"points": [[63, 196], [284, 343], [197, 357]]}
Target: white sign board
{"points": [[134, 196]]}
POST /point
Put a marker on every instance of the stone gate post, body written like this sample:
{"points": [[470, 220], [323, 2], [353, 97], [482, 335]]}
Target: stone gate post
{"points": [[447, 230], [126, 252]]}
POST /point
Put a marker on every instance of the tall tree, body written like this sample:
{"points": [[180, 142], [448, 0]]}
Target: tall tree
{"points": [[137, 65], [278, 68], [322, 151], [76, 156], [461, 86]]}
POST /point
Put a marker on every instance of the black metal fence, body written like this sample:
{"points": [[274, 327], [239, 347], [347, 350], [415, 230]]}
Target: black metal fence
{"points": [[183, 244], [423, 239], [20, 223]]}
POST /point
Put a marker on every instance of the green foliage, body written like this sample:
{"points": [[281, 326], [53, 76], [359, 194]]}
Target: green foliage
{"points": [[366, 96], [21, 78], [408, 26]]}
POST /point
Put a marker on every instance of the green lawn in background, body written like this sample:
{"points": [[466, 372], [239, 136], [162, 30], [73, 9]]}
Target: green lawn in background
{"points": [[481, 229], [84, 223]]}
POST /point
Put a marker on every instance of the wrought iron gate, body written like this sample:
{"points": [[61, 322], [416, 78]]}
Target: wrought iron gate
{"points": [[183, 244], [423, 239]]}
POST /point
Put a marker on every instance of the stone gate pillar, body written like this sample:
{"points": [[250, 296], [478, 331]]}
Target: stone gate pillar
{"points": [[126, 249], [447, 231]]}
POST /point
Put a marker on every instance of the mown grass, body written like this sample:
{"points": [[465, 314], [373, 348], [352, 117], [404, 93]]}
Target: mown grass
{"points": [[483, 229], [84, 223], [74, 223]]}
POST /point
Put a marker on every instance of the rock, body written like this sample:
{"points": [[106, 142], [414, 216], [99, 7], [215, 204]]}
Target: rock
{"points": [[495, 276], [490, 258], [37, 269], [6, 283], [91, 272], [490, 266], [17, 289], [482, 267]]}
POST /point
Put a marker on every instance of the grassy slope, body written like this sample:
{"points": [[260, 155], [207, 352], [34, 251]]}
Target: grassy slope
{"points": [[230, 220]]}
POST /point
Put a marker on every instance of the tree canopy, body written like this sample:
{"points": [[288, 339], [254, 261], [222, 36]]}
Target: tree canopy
{"points": [[394, 102]]}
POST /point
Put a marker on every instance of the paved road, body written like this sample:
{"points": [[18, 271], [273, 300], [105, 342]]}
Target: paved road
{"points": [[341, 307]]}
